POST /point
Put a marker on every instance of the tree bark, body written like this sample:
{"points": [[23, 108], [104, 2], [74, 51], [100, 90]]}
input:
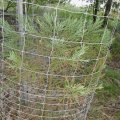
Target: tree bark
{"points": [[107, 11], [95, 10]]}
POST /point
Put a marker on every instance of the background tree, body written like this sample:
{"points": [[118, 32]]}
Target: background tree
{"points": [[107, 11], [11, 4], [95, 10]]}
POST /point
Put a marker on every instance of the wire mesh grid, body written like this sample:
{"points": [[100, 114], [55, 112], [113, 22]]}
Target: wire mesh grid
{"points": [[51, 61]]}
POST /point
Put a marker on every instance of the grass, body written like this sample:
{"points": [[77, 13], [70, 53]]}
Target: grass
{"points": [[106, 102]]}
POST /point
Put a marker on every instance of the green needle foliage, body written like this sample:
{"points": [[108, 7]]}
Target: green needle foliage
{"points": [[15, 59], [64, 37], [78, 89], [78, 54]]}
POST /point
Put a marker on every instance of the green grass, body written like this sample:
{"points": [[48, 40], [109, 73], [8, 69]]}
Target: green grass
{"points": [[112, 82], [106, 97]]}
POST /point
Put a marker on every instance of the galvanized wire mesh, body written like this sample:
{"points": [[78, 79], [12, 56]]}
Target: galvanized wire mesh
{"points": [[41, 85]]}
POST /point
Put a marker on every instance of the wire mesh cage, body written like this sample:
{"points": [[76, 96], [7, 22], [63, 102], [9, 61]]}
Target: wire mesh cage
{"points": [[52, 56]]}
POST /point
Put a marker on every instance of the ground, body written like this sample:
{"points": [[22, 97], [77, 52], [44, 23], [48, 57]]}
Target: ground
{"points": [[106, 103]]}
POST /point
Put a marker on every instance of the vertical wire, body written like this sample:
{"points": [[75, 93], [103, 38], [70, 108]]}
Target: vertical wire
{"points": [[22, 34], [33, 16], [33, 11], [26, 29], [54, 37], [92, 94], [104, 60], [2, 66], [81, 42]]}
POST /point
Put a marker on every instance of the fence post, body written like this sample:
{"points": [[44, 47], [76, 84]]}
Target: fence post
{"points": [[21, 27]]}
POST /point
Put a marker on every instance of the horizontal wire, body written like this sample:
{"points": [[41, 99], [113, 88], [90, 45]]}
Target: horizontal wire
{"points": [[34, 87], [68, 96], [52, 57], [65, 96], [43, 116], [29, 87], [60, 111], [61, 9], [55, 75], [61, 40], [57, 104], [13, 115], [31, 101]]}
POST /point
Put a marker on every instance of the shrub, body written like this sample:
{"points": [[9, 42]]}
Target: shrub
{"points": [[56, 57]]}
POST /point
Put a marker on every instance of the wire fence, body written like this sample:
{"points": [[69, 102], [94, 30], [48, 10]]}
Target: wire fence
{"points": [[52, 57]]}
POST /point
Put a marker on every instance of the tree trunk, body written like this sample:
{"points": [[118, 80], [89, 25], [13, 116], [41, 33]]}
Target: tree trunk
{"points": [[107, 11], [95, 10]]}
